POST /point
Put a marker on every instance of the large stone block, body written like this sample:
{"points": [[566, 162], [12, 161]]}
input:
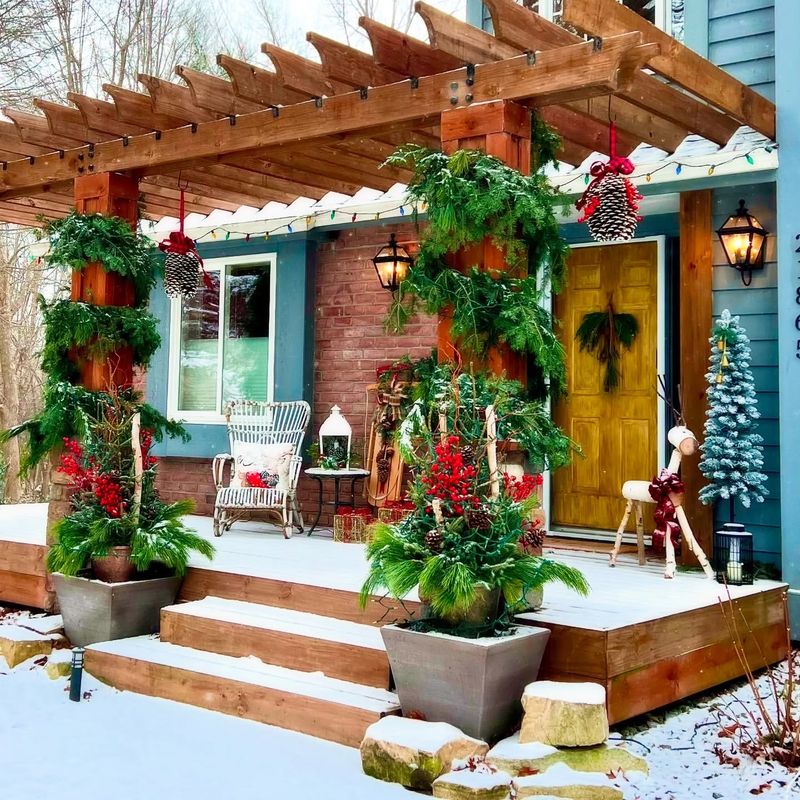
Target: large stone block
{"points": [[415, 753], [517, 758], [18, 644], [564, 714], [479, 784], [560, 781]]}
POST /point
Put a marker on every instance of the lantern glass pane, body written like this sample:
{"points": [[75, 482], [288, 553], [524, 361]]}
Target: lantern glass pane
{"points": [[756, 247]]}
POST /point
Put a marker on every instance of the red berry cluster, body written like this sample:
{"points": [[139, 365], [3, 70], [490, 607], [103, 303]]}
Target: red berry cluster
{"points": [[519, 489], [450, 479], [85, 475], [146, 439]]}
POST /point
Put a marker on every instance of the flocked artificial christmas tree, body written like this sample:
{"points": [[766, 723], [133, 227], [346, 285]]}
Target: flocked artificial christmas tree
{"points": [[732, 456]]}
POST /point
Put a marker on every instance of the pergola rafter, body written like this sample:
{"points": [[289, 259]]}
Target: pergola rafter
{"points": [[313, 127]]}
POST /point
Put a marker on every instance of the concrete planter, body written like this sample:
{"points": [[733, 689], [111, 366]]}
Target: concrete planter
{"points": [[474, 684], [95, 611]]}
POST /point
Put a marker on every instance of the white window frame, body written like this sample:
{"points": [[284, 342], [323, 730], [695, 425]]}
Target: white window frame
{"points": [[173, 378]]}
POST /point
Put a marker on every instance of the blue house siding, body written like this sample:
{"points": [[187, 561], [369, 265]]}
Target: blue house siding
{"points": [[294, 336], [741, 40], [757, 305]]}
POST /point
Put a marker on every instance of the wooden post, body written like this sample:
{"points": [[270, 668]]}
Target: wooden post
{"points": [[695, 328], [115, 195], [500, 128]]}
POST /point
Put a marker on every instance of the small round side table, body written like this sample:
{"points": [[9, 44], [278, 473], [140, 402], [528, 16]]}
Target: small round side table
{"points": [[337, 475]]}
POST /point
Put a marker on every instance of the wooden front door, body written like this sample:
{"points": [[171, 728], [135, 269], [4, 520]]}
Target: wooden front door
{"points": [[617, 431]]}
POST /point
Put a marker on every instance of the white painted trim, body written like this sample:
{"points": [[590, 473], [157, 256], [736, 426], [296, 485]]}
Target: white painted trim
{"points": [[661, 359], [219, 265]]}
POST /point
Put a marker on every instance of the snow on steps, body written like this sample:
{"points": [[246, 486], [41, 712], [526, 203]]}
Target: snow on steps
{"points": [[294, 639], [246, 687]]}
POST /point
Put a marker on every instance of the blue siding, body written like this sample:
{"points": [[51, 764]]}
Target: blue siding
{"points": [[757, 305], [741, 39], [294, 336]]}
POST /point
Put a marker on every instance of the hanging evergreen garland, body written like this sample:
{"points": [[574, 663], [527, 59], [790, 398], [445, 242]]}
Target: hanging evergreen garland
{"points": [[610, 204], [471, 196], [604, 333]]}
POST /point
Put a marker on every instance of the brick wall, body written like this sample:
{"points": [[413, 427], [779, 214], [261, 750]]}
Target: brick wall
{"points": [[350, 343]]}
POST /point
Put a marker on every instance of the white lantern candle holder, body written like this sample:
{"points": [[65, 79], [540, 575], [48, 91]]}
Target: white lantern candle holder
{"points": [[335, 438]]}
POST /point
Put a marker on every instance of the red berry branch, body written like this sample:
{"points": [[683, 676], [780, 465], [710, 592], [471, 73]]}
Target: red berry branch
{"points": [[450, 479]]}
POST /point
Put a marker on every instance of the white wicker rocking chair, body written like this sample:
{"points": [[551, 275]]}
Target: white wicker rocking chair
{"points": [[251, 422]]}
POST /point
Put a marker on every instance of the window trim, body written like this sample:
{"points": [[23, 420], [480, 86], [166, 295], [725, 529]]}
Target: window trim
{"points": [[173, 375]]}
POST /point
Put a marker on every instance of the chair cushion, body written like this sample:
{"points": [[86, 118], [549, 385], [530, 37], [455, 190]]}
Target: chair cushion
{"points": [[262, 465]]}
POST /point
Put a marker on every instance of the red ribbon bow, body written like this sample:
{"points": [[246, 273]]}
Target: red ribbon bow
{"points": [[661, 487], [616, 165]]}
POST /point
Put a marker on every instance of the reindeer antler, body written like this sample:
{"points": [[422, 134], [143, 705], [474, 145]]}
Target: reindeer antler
{"points": [[664, 394]]}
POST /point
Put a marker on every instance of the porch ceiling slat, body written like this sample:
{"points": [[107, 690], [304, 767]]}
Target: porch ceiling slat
{"points": [[564, 74], [677, 62]]}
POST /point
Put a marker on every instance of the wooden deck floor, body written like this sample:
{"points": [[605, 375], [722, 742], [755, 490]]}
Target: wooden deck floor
{"points": [[649, 641]]}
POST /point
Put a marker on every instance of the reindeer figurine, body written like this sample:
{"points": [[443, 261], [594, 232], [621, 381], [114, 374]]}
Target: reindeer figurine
{"points": [[665, 491]]}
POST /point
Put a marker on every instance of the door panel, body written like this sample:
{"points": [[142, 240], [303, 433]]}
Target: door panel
{"points": [[617, 431]]}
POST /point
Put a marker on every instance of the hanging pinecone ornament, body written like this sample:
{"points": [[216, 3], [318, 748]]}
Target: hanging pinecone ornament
{"points": [[610, 204], [384, 463], [182, 265]]}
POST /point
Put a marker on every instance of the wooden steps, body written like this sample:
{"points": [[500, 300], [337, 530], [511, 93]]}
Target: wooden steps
{"points": [[284, 637], [245, 687]]}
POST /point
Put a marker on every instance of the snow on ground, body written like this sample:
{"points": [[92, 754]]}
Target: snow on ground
{"points": [[128, 746]]}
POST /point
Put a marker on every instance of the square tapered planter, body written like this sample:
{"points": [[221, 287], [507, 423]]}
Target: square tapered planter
{"points": [[95, 611], [474, 684]]}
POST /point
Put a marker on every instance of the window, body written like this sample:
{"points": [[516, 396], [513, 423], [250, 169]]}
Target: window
{"points": [[221, 342], [666, 14]]}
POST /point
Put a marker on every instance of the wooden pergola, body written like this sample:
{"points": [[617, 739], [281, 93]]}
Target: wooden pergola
{"points": [[308, 128]]}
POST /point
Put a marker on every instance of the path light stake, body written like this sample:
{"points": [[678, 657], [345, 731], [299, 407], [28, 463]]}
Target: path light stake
{"points": [[76, 675]]}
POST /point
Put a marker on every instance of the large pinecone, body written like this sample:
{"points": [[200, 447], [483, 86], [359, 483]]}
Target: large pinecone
{"points": [[479, 519], [532, 536], [468, 454], [434, 540], [614, 219], [384, 464], [181, 274]]}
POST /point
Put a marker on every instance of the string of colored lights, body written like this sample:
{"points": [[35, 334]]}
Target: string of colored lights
{"points": [[678, 166], [310, 220]]}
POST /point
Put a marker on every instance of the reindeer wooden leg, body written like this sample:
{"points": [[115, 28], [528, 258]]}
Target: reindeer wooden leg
{"points": [[669, 569], [618, 541], [692, 543], [640, 532]]}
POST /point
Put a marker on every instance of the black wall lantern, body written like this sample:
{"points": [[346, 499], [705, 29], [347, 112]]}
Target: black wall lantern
{"points": [[743, 239], [392, 264]]}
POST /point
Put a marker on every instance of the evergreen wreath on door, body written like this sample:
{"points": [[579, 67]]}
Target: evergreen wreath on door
{"points": [[604, 333], [610, 204]]}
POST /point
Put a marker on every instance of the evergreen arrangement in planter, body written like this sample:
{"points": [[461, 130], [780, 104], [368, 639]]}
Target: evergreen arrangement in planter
{"points": [[118, 524], [732, 459]]}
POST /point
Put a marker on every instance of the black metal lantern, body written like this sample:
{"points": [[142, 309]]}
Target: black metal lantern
{"points": [[733, 555], [743, 239], [392, 264]]}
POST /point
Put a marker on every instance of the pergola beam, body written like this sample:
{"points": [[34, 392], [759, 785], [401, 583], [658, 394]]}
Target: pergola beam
{"points": [[676, 62], [562, 74], [256, 83], [523, 28]]}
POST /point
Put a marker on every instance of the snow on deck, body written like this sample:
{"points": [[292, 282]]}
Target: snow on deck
{"points": [[626, 595]]}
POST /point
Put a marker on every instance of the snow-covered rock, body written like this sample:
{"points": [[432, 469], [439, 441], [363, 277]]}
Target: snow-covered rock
{"points": [[19, 644], [478, 784], [59, 664], [415, 753], [52, 623], [515, 757], [561, 781], [564, 714]]}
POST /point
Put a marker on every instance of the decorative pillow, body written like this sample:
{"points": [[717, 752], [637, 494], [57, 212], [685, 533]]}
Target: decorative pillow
{"points": [[262, 465]]}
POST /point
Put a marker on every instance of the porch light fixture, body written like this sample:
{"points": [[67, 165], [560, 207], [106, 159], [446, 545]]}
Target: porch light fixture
{"points": [[733, 555], [392, 264], [743, 239]]}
